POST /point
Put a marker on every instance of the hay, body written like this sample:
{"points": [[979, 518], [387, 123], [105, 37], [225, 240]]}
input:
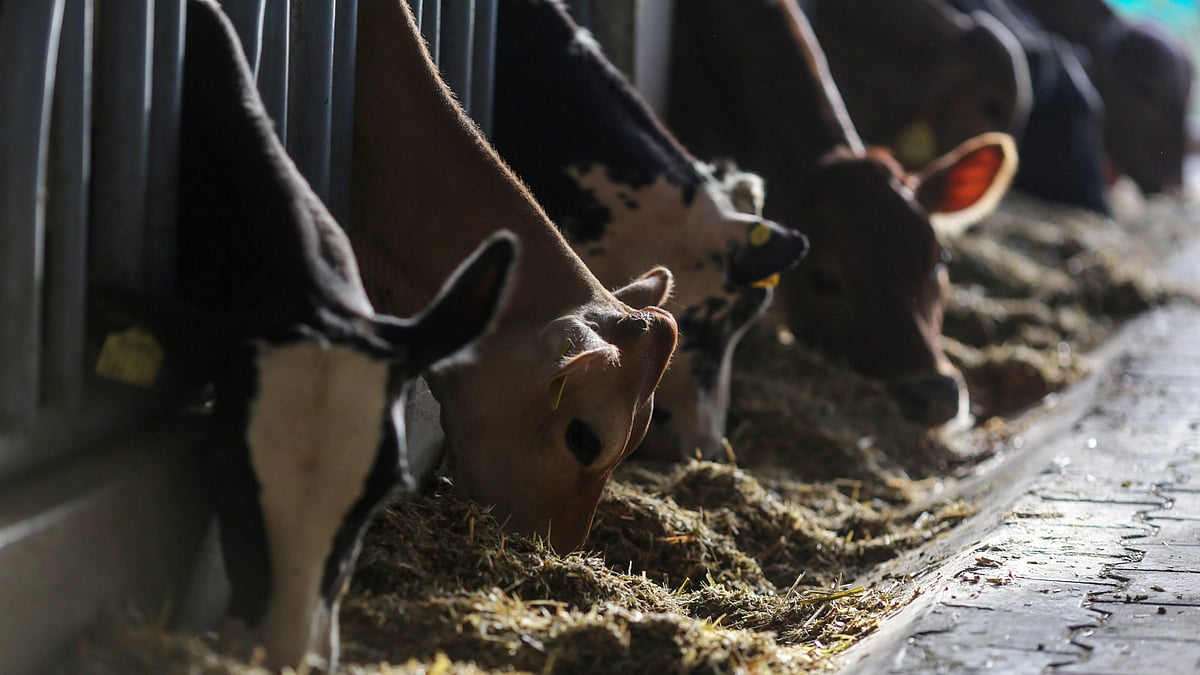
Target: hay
{"points": [[746, 567]]}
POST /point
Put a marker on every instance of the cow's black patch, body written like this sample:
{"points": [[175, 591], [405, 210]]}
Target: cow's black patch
{"points": [[708, 328], [559, 104]]}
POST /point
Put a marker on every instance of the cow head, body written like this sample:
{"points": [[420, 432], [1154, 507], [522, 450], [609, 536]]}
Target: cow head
{"points": [[323, 431], [871, 289], [574, 398], [536, 423], [1145, 77], [724, 259]]}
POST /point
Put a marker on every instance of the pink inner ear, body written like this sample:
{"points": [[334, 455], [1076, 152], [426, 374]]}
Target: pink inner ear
{"points": [[970, 178]]}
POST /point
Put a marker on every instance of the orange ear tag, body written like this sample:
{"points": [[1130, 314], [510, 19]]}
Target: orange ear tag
{"points": [[770, 282]]}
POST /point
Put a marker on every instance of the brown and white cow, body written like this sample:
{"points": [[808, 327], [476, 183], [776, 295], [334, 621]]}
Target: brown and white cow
{"points": [[307, 375], [749, 81], [628, 196], [920, 76], [563, 389], [1144, 76]]}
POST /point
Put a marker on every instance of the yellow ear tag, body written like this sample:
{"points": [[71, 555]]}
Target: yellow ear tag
{"points": [[132, 356], [770, 282], [916, 144], [557, 385], [760, 235]]}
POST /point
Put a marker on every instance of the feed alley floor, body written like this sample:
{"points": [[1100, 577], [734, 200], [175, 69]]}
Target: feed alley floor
{"points": [[1085, 556]]}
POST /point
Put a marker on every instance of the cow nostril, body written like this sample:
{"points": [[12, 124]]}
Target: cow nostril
{"points": [[930, 401]]}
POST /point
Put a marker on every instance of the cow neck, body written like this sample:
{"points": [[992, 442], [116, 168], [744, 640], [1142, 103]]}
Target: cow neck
{"points": [[267, 247], [755, 73], [428, 188], [560, 103]]}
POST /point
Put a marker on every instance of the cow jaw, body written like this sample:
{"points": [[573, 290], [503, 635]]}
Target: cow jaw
{"points": [[313, 433]]}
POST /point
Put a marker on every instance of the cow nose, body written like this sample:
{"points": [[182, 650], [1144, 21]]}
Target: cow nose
{"points": [[930, 401]]}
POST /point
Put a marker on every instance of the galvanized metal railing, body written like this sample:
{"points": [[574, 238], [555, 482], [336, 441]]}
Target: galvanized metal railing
{"points": [[89, 114]]}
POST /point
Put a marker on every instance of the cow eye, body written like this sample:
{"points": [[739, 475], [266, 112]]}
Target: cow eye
{"points": [[823, 282], [583, 442]]}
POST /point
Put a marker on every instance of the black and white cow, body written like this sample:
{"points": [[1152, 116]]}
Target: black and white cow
{"points": [[308, 376], [1061, 146], [627, 195]]}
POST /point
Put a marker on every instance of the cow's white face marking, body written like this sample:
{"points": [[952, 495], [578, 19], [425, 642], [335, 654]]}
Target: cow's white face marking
{"points": [[313, 432]]}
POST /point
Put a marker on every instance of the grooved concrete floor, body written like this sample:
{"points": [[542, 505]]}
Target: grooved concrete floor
{"points": [[1086, 556]]}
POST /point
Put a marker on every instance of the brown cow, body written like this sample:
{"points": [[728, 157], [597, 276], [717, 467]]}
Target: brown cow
{"points": [[563, 389], [1144, 76], [920, 76], [749, 81]]}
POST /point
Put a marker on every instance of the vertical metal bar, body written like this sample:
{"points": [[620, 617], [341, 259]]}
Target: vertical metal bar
{"points": [[417, 6], [310, 88], [458, 39], [124, 36], [159, 264], [273, 65], [342, 125], [247, 18], [29, 33], [431, 26], [483, 69], [67, 211]]}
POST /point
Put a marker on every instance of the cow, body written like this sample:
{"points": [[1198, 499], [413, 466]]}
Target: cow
{"points": [[628, 196], [1061, 145], [749, 81], [921, 77], [306, 374], [563, 388], [1144, 76]]}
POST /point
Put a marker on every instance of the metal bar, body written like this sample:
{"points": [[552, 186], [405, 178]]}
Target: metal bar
{"points": [[431, 26], [68, 178], [273, 64], [417, 6], [310, 89], [29, 33], [483, 67], [342, 125], [247, 17], [159, 263], [457, 43], [124, 37]]}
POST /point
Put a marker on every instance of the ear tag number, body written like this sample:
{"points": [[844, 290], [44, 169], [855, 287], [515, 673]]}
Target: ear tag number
{"points": [[131, 356]]}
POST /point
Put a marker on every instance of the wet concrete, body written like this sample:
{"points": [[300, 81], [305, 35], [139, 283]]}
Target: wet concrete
{"points": [[1085, 556]]}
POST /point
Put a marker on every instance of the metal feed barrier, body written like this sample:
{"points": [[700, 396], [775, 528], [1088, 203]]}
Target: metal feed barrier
{"points": [[89, 113]]}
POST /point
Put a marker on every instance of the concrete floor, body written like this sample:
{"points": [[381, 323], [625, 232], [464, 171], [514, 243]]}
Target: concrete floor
{"points": [[1085, 556]]}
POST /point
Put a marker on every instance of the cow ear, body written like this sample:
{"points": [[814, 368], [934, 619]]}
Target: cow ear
{"points": [[652, 288], [463, 311], [967, 183]]}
